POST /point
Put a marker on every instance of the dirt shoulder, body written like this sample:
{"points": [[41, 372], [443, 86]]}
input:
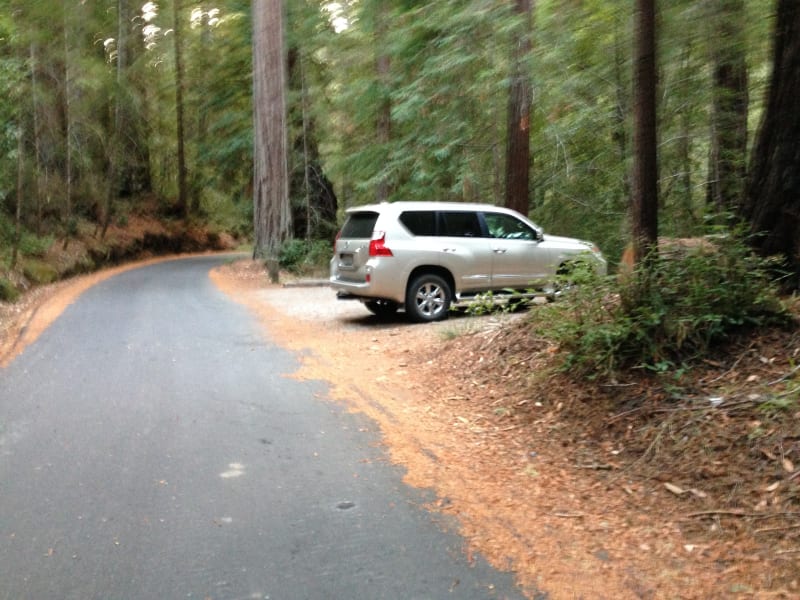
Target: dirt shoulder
{"points": [[584, 492]]}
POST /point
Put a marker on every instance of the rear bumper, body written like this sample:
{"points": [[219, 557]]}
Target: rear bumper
{"points": [[348, 290]]}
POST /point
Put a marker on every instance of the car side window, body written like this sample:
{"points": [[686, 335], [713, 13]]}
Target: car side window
{"points": [[419, 222], [507, 227], [460, 224]]}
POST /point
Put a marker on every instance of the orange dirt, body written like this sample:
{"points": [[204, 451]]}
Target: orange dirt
{"points": [[583, 492], [545, 477]]}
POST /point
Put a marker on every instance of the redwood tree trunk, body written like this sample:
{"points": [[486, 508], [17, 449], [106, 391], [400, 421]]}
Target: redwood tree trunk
{"points": [[772, 202], [518, 144], [644, 200], [270, 178]]}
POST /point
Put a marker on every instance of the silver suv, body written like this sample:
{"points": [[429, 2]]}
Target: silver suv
{"points": [[426, 256]]}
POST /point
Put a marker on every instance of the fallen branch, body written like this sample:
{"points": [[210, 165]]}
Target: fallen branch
{"points": [[786, 376], [733, 366], [741, 513], [789, 393], [771, 529], [619, 416], [597, 466]]}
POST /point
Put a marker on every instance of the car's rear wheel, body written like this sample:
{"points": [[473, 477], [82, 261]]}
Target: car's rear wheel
{"points": [[381, 307], [428, 298]]}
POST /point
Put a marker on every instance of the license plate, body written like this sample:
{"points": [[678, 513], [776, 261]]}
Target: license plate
{"points": [[345, 260]]}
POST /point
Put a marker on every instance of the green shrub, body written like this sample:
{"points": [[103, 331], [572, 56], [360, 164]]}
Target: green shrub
{"points": [[8, 293], [301, 256], [32, 245], [39, 272], [666, 317]]}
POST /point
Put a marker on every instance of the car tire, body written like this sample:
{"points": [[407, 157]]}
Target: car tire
{"points": [[428, 298], [381, 307], [564, 283]]}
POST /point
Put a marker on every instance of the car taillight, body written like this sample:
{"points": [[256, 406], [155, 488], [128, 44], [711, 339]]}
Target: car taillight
{"points": [[377, 245]]}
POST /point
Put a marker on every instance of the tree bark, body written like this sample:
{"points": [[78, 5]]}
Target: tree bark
{"points": [[644, 200], [518, 144], [271, 214], [19, 196], [772, 204], [37, 136]]}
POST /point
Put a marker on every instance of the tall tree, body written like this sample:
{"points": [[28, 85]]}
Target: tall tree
{"points": [[68, 117], [518, 144], [727, 160], [19, 196], [270, 173], [115, 154], [772, 203], [644, 201], [134, 168], [312, 195], [383, 69], [182, 205]]}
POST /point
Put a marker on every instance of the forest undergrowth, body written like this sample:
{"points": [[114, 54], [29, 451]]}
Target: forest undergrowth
{"points": [[714, 449]]}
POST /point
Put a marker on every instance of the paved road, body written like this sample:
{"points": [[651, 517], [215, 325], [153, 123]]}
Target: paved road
{"points": [[151, 447]]}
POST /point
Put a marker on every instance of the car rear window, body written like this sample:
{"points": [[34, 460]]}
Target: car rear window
{"points": [[419, 222], [359, 225]]}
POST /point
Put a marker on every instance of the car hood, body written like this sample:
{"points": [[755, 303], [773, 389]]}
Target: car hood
{"points": [[565, 243]]}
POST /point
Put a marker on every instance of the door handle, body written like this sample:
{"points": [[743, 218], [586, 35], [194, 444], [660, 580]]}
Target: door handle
{"points": [[500, 250]]}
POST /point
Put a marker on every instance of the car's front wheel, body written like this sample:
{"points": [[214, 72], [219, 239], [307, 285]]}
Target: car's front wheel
{"points": [[428, 298], [381, 308]]}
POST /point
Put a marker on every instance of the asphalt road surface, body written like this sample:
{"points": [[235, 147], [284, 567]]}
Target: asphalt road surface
{"points": [[152, 447]]}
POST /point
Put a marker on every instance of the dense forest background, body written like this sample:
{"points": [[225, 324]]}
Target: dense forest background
{"points": [[114, 106]]}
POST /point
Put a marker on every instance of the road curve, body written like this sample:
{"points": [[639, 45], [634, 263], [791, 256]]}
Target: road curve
{"points": [[151, 446]]}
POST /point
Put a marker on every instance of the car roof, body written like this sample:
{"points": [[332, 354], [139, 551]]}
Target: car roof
{"points": [[427, 205]]}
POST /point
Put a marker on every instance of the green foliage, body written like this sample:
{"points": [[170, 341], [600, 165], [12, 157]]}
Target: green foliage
{"points": [[301, 256], [31, 245], [778, 404], [447, 88], [39, 272], [8, 293], [447, 95], [667, 317], [488, 302], [483, 304]]}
